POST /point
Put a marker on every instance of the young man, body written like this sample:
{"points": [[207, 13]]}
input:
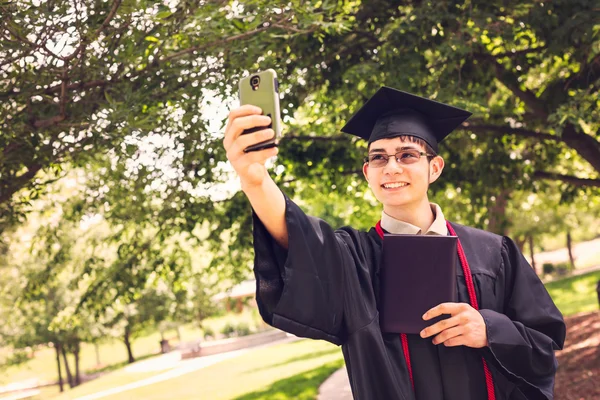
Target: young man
{"points": [[321, 283]]}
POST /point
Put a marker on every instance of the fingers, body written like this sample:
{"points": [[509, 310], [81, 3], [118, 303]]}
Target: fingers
{"points": [[440, 326], [460, 340], [236, 150], [448, 334], [445, 308], [246, 109], [241, 119], [256, 157]]}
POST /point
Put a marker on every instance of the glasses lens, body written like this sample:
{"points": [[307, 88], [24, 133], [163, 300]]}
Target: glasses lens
{"points": [[378, 160], [408, 156]]}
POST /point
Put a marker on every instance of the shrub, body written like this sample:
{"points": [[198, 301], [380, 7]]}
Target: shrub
{"points": [[228, 330], [548, 268], [208, 332], [562, 269], [243, 329]]}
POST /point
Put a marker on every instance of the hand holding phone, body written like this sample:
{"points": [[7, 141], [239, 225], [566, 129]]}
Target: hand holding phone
{"points": [[250, 166], [262, 90]]}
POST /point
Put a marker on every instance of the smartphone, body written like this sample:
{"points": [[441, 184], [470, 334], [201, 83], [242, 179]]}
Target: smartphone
{"points": [[262, 90]]}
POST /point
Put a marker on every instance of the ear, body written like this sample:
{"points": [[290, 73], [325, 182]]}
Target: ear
{"points": [[436, 166], [365, 170]]}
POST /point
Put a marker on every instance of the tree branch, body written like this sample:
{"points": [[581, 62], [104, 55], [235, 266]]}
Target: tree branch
{"points": [[503, 130], [109, 17], [307, 138], [509, 80], [587, 146], [79, 85], [19, 182], [343, 173], [265, 26], [573, 180], [46, 123], [103, 83], [588, 75]]}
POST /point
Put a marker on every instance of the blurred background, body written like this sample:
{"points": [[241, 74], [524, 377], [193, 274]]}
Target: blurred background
{"points": [[126, 244]]}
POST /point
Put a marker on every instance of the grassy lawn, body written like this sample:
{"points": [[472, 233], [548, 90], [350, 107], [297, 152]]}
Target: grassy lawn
{"points": [[287, 371], [292, 370], [112, 353], [110, 380], [576, 294], [302, 386]]}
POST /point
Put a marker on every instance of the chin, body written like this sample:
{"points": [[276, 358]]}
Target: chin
{"points": [[398, 203], [395, 201]]}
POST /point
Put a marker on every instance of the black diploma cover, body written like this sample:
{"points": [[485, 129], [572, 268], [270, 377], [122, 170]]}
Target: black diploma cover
{"points": [[418, 272]]}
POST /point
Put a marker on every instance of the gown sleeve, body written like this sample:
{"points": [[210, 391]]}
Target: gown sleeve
{"points": [[306, 289], [523, 338]]}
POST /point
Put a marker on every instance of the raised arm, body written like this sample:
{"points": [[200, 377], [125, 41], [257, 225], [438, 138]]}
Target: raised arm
{"points": [[309, 276], [265, 197]]}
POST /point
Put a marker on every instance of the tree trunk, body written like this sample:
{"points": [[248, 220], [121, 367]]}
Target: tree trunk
{"points": [[497, 213], [570, 249], [531, 254], [76, 355], [67, 369], [178, 333], [130, 358], [97, 348], [60, 380]]}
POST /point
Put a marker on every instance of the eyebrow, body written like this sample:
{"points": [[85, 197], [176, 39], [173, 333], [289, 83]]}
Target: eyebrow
{"points": [[397, 149]]}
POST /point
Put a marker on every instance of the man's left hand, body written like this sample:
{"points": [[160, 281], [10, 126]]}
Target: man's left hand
{"points": [[465, 327]]}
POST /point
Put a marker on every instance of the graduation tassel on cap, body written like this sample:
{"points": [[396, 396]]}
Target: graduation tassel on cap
{"points": [[489, 380]]}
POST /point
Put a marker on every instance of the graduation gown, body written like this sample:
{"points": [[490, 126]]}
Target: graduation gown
{"points": [[326, 286]]}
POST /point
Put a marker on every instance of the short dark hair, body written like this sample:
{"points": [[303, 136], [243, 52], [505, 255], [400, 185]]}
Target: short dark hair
{"points": [[419, 141]]}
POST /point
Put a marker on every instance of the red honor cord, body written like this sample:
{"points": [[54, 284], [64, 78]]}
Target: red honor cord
{"points": [[489, 381]]}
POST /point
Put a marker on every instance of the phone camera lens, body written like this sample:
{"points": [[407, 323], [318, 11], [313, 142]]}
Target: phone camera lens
{"points": [[254, 82]]}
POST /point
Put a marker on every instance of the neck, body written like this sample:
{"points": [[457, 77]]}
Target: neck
{"points": [[417, 214]]}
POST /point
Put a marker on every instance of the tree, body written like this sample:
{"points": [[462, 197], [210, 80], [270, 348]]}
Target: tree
{"points": [[528, 70], [79, 77]]}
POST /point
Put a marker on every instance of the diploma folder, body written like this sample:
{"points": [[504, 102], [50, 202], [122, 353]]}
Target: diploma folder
{"points": [[418, 272]]}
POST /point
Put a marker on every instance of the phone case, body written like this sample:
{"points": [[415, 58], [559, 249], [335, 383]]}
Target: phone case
{"points": [[262, 90]]}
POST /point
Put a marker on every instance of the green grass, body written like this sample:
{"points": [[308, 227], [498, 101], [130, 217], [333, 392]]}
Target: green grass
{"points": [[292, 370], [286, 371], [575, 294], [112, 355], [107, 381], [302, 386]]}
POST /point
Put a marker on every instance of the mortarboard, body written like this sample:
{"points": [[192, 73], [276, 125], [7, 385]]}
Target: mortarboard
{"points": [[391, 112]]}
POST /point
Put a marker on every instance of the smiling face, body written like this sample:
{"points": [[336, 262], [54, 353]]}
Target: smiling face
{"points": [[398, 185]]}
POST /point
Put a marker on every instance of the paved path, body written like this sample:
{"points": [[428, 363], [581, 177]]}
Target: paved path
{"points": [[182, 367], [336, 387]]}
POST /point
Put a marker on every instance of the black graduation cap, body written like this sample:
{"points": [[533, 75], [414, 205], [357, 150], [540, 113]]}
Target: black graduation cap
{"points": [[391, 112]]}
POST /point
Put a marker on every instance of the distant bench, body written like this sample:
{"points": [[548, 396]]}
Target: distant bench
{"points": [[198, 349]]}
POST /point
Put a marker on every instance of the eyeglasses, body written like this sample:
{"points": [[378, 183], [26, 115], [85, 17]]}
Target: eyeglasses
{"points": [[405, 157]]}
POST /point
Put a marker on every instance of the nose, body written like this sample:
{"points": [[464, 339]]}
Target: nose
{"points": [[393, 166]]}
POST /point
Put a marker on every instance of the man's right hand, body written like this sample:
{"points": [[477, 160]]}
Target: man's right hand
{"points": [[250, 166]]}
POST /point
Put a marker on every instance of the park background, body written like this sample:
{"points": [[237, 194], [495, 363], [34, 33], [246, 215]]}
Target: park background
{"points": [[122, 226]]}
